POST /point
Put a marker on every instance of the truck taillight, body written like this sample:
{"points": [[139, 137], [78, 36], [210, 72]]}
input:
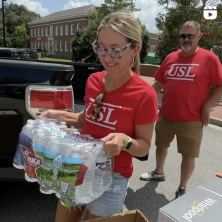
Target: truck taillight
{"points": [[40, 98]]}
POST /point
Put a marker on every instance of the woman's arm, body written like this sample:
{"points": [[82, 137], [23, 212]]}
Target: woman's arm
{"points": [[140, 145], [73, 119]]}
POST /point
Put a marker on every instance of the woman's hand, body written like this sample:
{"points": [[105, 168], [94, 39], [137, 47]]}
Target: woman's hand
{"points": [[53, 114], [113, 143]]}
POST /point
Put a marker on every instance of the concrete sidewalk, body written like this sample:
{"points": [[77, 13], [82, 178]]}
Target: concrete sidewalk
{"points": [[215, 113]]}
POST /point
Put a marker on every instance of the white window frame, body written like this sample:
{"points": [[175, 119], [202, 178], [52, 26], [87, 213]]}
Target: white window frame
{"points": [[66, 46], [72, 29], [34, 45], [77, 26], [152, 48], [42, 31], [39, 34], [34, 32], [38, 45], [42, 45], [57, 31], [51, 30], [61, 46], [31, 45], [46, 45], [61, 29], [31, 32], [67, 30], [46, 31], [56, 46]]}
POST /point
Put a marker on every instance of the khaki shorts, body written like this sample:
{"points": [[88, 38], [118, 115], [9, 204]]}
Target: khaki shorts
{"points": [[188, 134]]}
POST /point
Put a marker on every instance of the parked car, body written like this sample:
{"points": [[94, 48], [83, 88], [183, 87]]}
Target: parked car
{"points": [[18, 53], [27, 88]]}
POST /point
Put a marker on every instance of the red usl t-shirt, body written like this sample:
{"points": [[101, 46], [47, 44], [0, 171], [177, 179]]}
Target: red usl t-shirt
{"points": [[134, 103], [187, 82]]}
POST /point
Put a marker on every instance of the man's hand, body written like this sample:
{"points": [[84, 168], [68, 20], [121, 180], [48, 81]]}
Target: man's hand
{"points": [[205, 115]]}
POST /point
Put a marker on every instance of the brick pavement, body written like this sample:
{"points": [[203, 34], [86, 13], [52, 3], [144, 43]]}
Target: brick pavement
{"points": [[216, 110]]}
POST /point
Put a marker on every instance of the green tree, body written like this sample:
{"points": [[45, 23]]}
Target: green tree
{"points": [[178, 12], [15, 15], [145, 43], [20, 37], [83, 38]]}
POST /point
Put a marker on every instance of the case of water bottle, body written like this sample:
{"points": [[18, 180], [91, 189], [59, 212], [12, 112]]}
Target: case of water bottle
{"points": [[63, 161]]}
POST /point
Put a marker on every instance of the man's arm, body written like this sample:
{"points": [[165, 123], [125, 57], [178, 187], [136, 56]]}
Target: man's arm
{"points": [[158, 86], [214, 97]]}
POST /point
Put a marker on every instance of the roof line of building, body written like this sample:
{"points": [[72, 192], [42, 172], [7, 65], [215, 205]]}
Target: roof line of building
{"points": [[63, 15]]}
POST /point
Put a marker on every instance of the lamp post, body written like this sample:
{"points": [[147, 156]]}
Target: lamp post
{"points": [[3, 19]]}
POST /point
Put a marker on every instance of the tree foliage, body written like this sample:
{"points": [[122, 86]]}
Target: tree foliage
{"points": [[83, 38], [177, 13], [16, 16], [20, 37]]}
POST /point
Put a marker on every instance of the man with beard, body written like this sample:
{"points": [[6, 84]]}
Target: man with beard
{"points": [[186, 77]]}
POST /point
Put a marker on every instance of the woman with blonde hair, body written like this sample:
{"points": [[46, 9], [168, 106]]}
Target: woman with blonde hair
{"points": [[120, 109]]}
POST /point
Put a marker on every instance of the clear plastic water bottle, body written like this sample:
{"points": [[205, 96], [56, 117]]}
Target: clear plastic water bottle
{"points": [[23, 146], [35, 157]]}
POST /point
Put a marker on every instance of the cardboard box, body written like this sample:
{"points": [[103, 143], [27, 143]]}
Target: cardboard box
{"points": [[130, 216], [203, 204], [214, 185]]}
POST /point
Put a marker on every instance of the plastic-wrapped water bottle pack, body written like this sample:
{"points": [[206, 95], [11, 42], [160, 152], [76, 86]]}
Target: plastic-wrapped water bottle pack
{"points": [[63, 161]]}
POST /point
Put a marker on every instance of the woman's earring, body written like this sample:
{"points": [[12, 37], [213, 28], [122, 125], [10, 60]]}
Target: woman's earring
{"points": [[132, 62]]}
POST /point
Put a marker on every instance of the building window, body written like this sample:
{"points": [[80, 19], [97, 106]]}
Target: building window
{"points": [[153, 47], [42, 31], [39, 32], [66, 46], [46, 31], [77, 26], [38, 45], [34, 45], [70, 46], [31, 32], [42, 45], [31, 45], [51, 30], [61, 46], [57, 30], [67, 30], [35, 32], [56, 45], [72, 29], [61, 29], [46, 45]]}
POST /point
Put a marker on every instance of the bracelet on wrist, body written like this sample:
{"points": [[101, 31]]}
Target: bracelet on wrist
{"points": [[125, 139]]}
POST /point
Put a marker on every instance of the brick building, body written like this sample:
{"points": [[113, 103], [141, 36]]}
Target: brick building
{"points": [[153, 41], [54, 32]]}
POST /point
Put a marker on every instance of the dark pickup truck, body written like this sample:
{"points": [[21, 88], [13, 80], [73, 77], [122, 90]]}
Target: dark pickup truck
{"points": [[27, 87]]}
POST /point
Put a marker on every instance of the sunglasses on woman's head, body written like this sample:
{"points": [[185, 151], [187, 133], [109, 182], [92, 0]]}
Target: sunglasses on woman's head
{"points": [[114, 52], [96, 109], [184, 36]]}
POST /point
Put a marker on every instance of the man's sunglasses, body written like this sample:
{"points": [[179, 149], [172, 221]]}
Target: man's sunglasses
{"points": [[184, 36], [96, 109]]}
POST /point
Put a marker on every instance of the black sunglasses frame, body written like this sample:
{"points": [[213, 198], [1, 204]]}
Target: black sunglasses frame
{"points": [[189, 36]]}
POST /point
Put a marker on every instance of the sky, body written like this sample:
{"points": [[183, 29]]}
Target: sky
{"points": [[149, 8]]}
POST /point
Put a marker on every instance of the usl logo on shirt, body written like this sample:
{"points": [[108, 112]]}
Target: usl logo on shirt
{"points": [[104, 118], [181, 72]]}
